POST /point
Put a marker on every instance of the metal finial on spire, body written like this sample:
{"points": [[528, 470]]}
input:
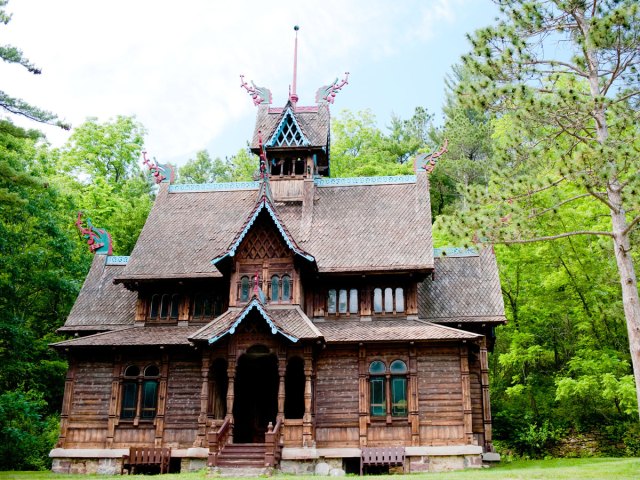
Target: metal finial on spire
{"points": [[293, 96]]}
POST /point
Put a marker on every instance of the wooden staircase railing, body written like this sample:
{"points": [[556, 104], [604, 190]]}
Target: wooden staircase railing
{"points": [[273, 448], [217, 440]]}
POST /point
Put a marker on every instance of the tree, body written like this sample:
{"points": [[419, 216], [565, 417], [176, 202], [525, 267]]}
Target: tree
{"points": [[568, 129], [16, 106], [203, 169]]}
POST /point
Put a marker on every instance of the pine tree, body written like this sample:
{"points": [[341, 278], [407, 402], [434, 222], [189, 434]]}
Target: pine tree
{"points": [[562, 77]]}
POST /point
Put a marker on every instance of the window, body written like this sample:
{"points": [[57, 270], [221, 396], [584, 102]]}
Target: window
{"points": [[165, 306], [206, 306], [286, 288], [275, 288], [388, 300], [388, 389], [244, 289], [139, 392], [343, 301]]}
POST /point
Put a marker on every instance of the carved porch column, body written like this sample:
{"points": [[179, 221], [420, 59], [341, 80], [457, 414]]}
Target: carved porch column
{"points": [[282, 371], [231, 376], [307, 423], [466, 393], [486, 403], [204, 399]]}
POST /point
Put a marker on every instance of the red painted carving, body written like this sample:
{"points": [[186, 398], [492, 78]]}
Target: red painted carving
{"points": [[157, 170], [328, 92], [430, 160], [98, 239], [258, 94]]}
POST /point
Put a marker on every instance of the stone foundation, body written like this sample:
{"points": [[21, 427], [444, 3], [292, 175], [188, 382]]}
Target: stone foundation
{"points": [[87, 466]]}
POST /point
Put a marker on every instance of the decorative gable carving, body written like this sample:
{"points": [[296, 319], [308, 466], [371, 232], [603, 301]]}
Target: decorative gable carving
{"points": [[263, 241], [288, 133]]}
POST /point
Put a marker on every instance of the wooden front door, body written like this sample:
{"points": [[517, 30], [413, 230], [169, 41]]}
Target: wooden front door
{"points": [[256, 395]]}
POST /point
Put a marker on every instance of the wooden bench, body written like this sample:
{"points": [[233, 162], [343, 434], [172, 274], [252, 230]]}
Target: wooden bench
{"points": [[146, 456], [381, 456]]}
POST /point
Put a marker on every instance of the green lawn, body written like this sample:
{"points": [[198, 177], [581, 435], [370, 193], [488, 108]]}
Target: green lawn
{"points": [[555, 469]]}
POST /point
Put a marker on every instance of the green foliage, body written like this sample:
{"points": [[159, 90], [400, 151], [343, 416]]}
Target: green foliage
{"points": [[241, 167], [16, 106], [25, 433]]}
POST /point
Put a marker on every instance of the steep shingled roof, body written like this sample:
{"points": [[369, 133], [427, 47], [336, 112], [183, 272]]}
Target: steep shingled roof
{"points": [[101, 305], [464, 289], [134, 336], [387, 226], [314, 122]]}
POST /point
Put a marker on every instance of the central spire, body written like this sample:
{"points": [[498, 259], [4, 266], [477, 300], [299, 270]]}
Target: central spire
{"points": [[293, 96]]}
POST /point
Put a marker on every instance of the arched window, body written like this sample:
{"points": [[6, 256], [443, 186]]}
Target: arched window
{"points": [[275, 288], [155, 306], [399, 300], [399, 407], [286, 288], [244, 289], [342, 301], [377, 300], [388, 300], [331, 301], [377, 400], [140, 392], [175, 305], [164, 306], [353, 301]]}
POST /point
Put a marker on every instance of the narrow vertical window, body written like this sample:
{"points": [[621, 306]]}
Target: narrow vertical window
{"points": [[286, 288], [244, 289], [149, 398], [275, 288], [206, 306], [175, 306], [155, 304], [377, 300], [399, 300], [129, 397], [331, 301], [164, 306], [388, 300], [353, 301], [342, 301], [197, 306], [399, 407], [378, 401]]}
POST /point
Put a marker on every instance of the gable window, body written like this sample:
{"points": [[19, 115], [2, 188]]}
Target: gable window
{"points": [[139, 398], [165, 306], [275, 288], [388, 300], [388, 389], [286, 288]]}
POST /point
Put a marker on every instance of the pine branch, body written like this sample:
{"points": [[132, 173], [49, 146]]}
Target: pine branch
{"points": [[555, 237], [633, 223], [11, 54], [20, 107], [558, 205]]}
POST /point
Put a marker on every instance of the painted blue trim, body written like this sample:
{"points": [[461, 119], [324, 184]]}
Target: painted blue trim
{"points": [[117, 260], [213, 187], [276, 134], [253, 304], [236, 244], [350, 181], [455, 252]]}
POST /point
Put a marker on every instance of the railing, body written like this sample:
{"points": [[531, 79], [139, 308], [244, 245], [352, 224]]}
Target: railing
{"points": [[272, 446], [217, 441]]}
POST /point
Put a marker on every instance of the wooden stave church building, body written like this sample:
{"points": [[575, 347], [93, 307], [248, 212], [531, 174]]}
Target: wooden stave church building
{"points": [[307, 314]]}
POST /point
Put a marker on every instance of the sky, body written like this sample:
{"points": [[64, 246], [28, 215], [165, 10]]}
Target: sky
{"points": [[176, 65]]}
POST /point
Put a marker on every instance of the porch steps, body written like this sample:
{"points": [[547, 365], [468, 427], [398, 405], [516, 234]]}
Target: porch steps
{"points": [[242, 455]]}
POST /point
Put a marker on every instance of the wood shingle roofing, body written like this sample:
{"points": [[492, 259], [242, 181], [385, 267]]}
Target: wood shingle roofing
{"points": [[134, 336], [101, 305], [463, 289], [353, 228]]}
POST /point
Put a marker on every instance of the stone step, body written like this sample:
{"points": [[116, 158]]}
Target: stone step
{"points": [[241, 471]]}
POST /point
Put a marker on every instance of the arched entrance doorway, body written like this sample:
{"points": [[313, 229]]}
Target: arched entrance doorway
{"points": [[256, 394]]}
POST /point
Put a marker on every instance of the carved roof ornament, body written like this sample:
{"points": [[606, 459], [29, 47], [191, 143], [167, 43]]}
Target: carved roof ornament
{"points": [[98, 239], [327, 94], [265, 186], [161, 173], [259, 95], [426, 162]]}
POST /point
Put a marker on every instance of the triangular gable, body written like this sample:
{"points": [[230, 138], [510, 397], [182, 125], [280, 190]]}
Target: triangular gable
{"points": [[263, 204], [255, 303], [288, 133]]}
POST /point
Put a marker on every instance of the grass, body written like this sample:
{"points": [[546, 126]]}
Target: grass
{"points": [[554, 469]]}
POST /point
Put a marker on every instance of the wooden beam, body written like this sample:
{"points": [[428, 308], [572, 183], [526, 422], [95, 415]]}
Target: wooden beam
{"points": [[466, 393], [486, 403]]}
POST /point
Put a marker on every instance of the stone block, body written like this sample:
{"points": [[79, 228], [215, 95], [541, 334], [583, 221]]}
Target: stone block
{"points": [[418, 464], [472, 461], [491, 457], [323, 469], [108, 466], [337, 472], [297, 467], [446, 463]]}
